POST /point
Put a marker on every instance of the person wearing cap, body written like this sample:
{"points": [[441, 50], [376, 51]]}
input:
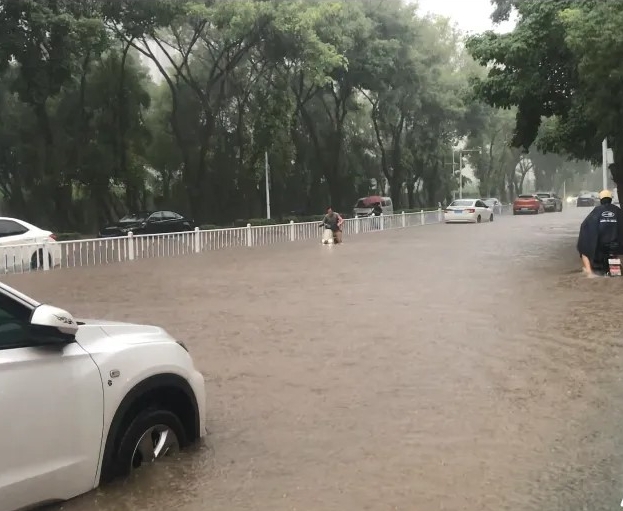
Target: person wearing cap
{"points": [[601, 233]]}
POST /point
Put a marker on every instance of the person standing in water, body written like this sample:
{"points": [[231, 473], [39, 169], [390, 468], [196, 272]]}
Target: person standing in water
{"points": [[334, 221]]}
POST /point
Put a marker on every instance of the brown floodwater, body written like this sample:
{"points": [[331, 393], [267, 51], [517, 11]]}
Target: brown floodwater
{"points": [[450, 367]]}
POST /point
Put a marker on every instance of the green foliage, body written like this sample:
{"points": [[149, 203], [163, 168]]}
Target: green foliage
{"points": [[123, 105], [561, 63]]}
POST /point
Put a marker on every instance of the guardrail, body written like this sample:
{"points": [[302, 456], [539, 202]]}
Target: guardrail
{"points": [[48, 255]]}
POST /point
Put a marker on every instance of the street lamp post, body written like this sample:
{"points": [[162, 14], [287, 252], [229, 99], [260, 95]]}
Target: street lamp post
{"points": [[461, 151]]}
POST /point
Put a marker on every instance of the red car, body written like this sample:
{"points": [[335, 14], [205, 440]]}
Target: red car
{"points": [[528, 204]]}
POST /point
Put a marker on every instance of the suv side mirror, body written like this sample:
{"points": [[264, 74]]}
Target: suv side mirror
{"points": [[54, 324]]}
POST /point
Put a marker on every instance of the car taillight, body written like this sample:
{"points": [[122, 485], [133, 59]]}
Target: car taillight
{"points": [[53, 237], [471, 210]]}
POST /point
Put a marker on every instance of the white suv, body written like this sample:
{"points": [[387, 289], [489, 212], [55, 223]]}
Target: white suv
{"points": [[85, 402]]}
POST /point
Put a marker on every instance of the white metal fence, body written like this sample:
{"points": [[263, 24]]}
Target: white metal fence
{"points": [[94, 252]]}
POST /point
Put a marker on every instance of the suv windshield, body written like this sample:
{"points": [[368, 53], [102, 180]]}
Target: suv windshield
{"points": [[543, 195]]}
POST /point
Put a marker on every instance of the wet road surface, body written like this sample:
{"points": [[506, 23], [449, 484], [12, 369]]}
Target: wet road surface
{"points": [[458, 367]]}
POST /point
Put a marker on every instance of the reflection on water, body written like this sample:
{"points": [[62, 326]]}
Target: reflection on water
{"points": [[442, 367]]}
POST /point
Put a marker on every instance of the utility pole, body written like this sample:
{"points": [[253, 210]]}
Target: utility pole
{"points": [[460, 175], [461, 151], [267, 172], [604, 157]]}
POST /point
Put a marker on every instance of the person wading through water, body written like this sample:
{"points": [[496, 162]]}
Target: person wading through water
{"points": [[334, 222]]}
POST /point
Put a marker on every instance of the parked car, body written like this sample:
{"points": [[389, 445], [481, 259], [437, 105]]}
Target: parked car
{"points": [[528, 203], [84, 402], [551, 201], [468, 211], [22, 246], [148, 222], [365, 205], [587, 200], [492, 202]]}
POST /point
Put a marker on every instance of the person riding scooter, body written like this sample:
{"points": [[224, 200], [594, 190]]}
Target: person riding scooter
{"points": [[333, 221], [601, 235]]}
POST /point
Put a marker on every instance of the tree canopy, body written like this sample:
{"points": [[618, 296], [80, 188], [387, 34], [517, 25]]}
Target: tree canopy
{"points": [[116, 105], [561, 63]]}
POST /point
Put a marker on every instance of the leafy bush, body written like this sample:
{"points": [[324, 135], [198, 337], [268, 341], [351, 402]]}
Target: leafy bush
{"points": [[255, 222], [70, 236]]}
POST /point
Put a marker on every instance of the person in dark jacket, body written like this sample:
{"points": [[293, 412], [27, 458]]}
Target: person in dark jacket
{"points": [[601, 234]]}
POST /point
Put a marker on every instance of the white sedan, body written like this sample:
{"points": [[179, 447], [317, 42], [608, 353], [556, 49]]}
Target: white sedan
{"points": [[23, 246], [468, 211], [84, 402]]}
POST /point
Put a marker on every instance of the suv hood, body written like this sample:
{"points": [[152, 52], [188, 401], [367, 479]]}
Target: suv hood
{"points": [[92, 331]]}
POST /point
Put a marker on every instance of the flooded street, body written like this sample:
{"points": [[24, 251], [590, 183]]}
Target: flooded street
{"points": [[450, 367]]}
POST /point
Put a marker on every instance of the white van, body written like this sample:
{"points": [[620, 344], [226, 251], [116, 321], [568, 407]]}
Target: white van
{"points": [[365, 205]]}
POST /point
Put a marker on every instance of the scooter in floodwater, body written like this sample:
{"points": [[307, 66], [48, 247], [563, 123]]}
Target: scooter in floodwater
{"points": [[328, 236], [609, 266]]}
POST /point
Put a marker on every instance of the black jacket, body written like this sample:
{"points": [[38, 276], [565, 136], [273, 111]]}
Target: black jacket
{"points": [[602, 227]]}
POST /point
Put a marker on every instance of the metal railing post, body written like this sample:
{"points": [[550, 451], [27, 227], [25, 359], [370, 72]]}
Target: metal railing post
{"points": [[249, 236], [46, 256], [292, 233], [131, 246], [422, 220], [197, 240]]}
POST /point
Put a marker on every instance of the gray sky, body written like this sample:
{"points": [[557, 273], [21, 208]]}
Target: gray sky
{"points": [[472, 16]]}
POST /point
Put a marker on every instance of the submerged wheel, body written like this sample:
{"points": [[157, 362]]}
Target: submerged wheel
{"points": [[152, 435], [479, 219], [36, 261], [491, 218]]}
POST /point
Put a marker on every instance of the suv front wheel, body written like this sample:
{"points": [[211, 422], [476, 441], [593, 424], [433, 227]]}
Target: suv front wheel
{"points": [[152, 435]]}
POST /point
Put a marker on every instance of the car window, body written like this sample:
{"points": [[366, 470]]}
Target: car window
{"points": [[169, 215], [14, 324], [11, 228], [156, 216]]}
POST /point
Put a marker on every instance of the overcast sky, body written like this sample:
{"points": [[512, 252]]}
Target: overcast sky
{"points": [[472, 16]]}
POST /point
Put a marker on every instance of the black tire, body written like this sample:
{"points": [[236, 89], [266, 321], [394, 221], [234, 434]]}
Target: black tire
{"points": [[479, 219], [491, 218], [123, 458], [36, 260]]}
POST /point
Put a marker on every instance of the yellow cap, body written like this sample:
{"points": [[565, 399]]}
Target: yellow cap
{"points": [[605, 194]]}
